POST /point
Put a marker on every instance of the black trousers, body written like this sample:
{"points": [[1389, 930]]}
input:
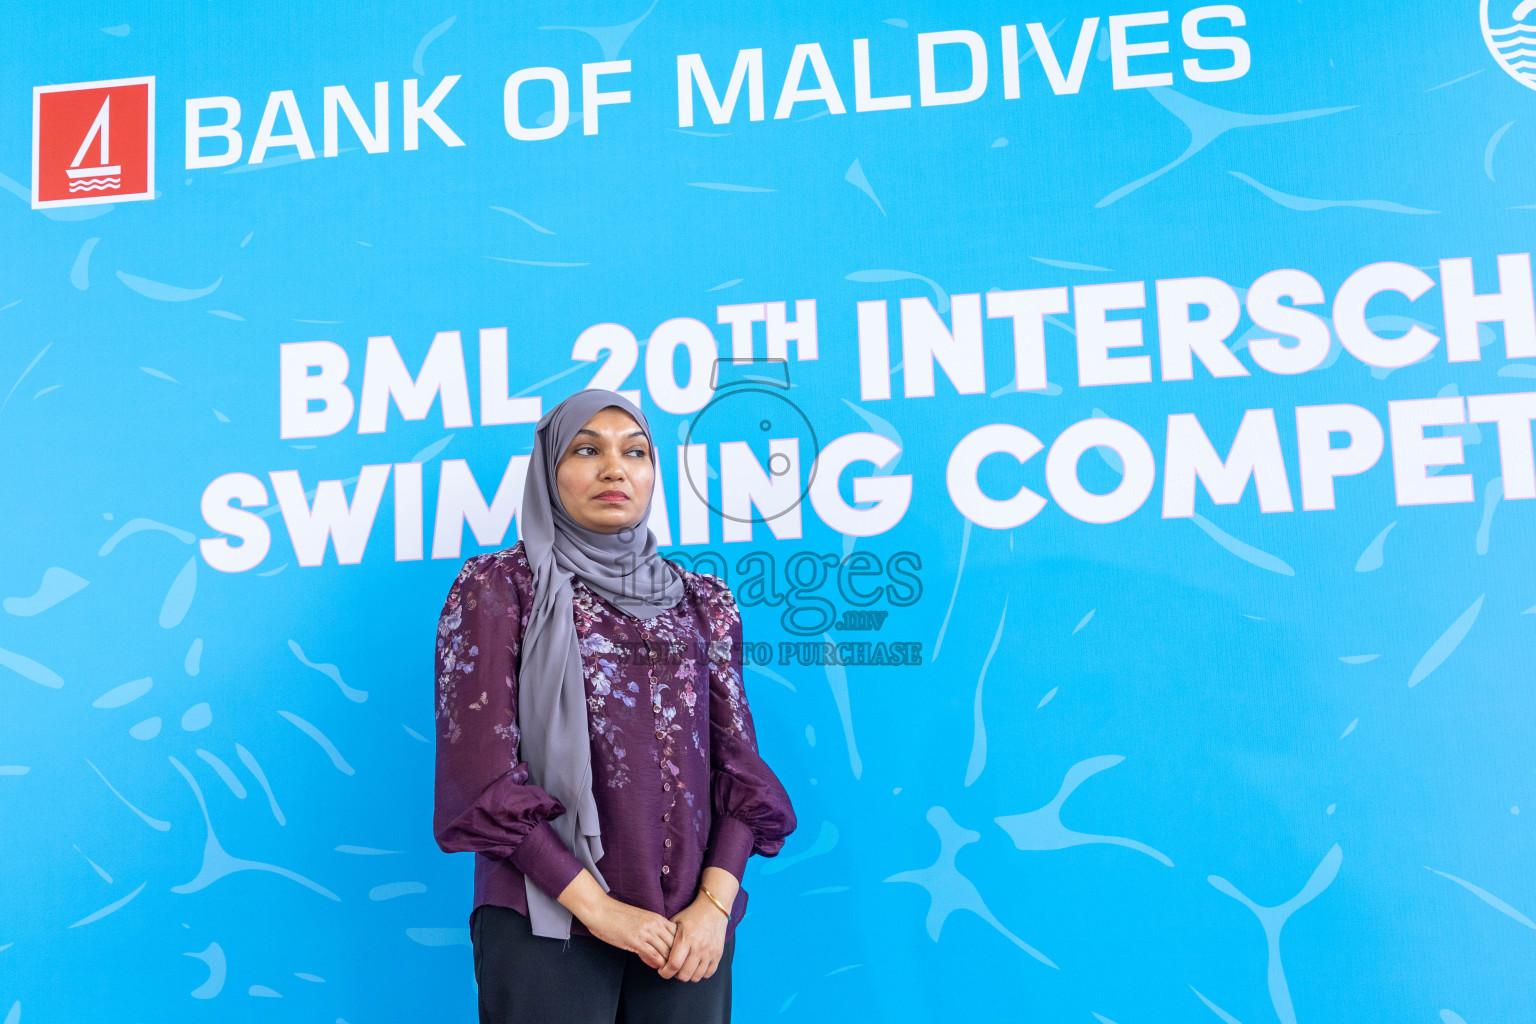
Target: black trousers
{"points": [[532, 979]]}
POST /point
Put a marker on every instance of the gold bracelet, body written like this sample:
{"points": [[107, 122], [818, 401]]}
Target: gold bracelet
{"points": [[704, 889]]}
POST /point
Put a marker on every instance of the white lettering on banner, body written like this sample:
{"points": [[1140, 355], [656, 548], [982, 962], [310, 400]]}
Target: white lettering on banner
{"points": [[1121, 51], [748, 69], [874, 350], [660, 520], [692, 493], [928, 88], [1010, 62], [805, 60], [338, 98], [801, 330], [284, 103], [1413, 453], [699, 342], [1321, 463], [1513, 413], [891, 495], [1512, 305], [408, 512], [1136, 480], [965, 493], [219, 514], [197, 132], [623, 354], [863, 99], [1028, 310], [385, 377], [495, 406], [741, 317], [826, 88], [1236, 45], [1313, 340], [426, 113], [1181, 340], [1332, 440], [1255, 453], [297, 388], [510, 104], [1354, 330], [591, 99], [332, 517], [460, 502], [1072, 81], [925, 339], [776, 492], [1096, 334]]}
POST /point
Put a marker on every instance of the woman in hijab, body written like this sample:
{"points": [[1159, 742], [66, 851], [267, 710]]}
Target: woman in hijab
{"points": [[595, 749]]}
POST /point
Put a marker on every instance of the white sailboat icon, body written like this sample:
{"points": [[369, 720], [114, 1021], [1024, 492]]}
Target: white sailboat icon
{"points": [[105, 175]]}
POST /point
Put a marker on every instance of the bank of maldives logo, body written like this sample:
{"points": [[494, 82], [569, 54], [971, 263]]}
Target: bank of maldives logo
{"points": [[93, 142], [1510, 32]]}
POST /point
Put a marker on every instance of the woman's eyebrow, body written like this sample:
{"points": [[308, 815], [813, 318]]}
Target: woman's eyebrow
{"points": [[632, 433]]}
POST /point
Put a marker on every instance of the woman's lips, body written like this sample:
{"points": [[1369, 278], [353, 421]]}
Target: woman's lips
{"points": [[613, 497]]}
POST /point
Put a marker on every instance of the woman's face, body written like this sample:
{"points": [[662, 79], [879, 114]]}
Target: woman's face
{"points": [[605, 474]]}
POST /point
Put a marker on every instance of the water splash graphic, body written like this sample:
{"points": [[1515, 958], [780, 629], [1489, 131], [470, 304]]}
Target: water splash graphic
{"points": [[320, 738], [1042, 829], [826, 841], [251, 765], [169, 292], [1488, 898], [29, 669], [330, 671], [837, 681], [427, 40], [125, 694], [949, 890], [1305, 204], [218, 864], [110, 908], [213, 956], [1448, 642], [1371, 558], [58, 585], [856, 178], [1272, 920], [1205, 124], [940, 296], [978, 759], [612, 37], [179, 598], [1247, 552]]}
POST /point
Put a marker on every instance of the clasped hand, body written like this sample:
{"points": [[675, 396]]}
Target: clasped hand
{"points": [[686, 946]]}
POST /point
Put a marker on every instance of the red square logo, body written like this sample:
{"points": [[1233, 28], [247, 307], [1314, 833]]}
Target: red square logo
{"points": [[93, 142]]}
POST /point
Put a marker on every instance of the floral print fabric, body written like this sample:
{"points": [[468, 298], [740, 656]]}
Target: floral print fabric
{"points": [[677, 776]]}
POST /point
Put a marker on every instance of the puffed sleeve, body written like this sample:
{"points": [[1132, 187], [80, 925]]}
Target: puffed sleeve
{"points": [[483, 801], [751, 810]]}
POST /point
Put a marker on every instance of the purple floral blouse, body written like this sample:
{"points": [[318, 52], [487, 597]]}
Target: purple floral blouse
{"points": [[677, 777]]}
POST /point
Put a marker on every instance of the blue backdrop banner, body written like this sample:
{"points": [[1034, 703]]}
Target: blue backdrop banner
{"points": [[1116, 427]]}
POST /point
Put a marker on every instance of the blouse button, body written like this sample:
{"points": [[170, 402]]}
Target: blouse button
{"points": [[665, 869], [660, 734], [656, 708], [666, 842], [667, 816], [667, 786]]}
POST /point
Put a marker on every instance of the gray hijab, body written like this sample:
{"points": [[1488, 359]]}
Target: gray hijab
{"points": [[625, 570]]}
